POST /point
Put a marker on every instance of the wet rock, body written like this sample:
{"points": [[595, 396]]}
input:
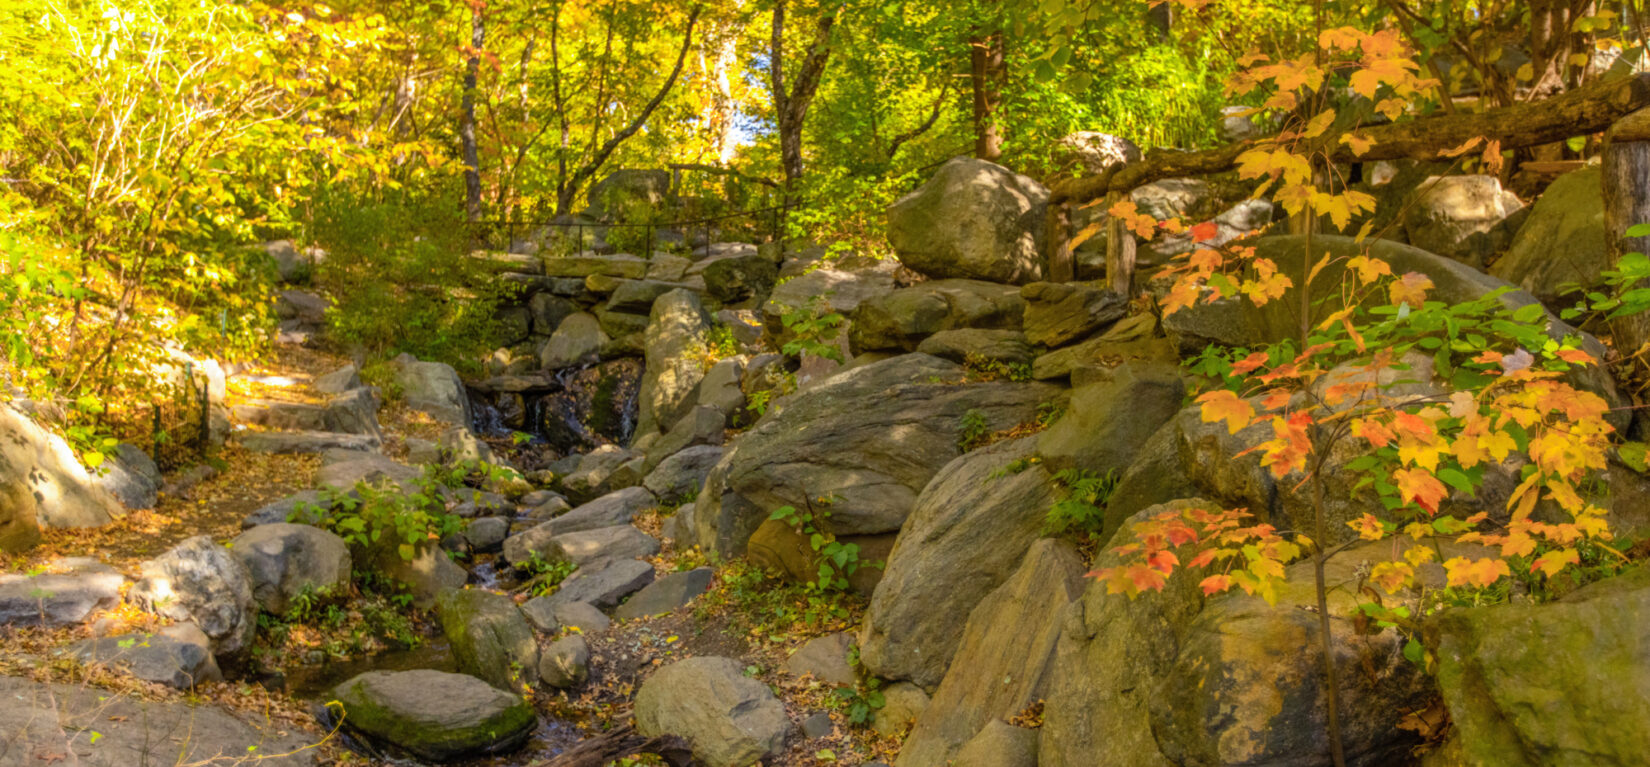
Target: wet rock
{"points": [[200, 581], [434, 715], [565, 663], [666, 594], [490, 639], [730, 720], [284, 560], [487, 534], [67, 592]]}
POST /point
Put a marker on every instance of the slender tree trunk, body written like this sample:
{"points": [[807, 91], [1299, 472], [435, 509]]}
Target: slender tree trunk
{"points": [[985, 66], [791, 106], [1626, 203], [723, 45], [467, 124]]}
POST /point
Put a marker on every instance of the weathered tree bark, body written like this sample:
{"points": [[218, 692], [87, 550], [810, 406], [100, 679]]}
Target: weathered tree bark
{"points": [[985, 66], [722, 45], [1553, 40], [569, 191], [467, 119], [791, 106], [1627, 202]]}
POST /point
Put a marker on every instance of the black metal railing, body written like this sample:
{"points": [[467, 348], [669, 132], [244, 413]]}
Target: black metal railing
{"points": [[175, 428]]}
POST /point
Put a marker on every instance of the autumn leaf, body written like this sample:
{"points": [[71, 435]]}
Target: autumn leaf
{"points": [[1215, 584], [1475, 572], [1392, 577], [1410, 289], [1205, 231], [1223, 405], [1368, 526], [1419, 486]]}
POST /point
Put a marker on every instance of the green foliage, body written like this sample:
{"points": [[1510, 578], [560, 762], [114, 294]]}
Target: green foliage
{"points": [[383, 514], [996, 370], [812, 329], [837, 561], [399, 268], [1620, 292], [974, 430], [771, 609], [546, 576], [862, 702], [1082, 512]]}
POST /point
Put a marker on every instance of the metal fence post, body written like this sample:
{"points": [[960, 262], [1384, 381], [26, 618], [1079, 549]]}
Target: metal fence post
{"points": [[204, 438]]}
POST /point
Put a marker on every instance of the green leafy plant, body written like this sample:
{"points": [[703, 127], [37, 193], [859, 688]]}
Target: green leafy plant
{"points": [[812, 329], [1083, 509], [546, 576], [860, 703], [380, 514], [975, 430]]}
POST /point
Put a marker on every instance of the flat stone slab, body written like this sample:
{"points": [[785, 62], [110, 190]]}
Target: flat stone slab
{"points": [[286, 442], [149, 657], [604, 585], [66, 593], [665, 594]]}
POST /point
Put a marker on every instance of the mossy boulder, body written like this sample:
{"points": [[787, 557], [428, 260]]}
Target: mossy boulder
{"points": [[489, 636], [434, 715]]}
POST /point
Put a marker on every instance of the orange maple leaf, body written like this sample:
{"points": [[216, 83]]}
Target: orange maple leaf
{"points": [[1223, 405], [1410, 289], [1421, 487]]}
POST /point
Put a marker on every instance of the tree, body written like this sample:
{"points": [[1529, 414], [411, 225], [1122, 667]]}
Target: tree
{"points": [[467, 124], [790, 104]]}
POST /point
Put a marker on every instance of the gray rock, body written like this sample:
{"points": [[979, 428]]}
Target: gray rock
{"points": [[1155, 476], [458, 445], [428, 573], [149, 658], [903, 702], [681, 475], [288, 442], [290, 266], [303, 306], [565, 663], [676, 327], [1457, 217], [973, 219], [703, 425], [435, 715], [580, 615], [1150, 681], [1002, 664], [1129, 339], [627, 192], [338, 381], [902, 319], [576, 342], [39, 470], [435, 388], [67, 592], [731, 280], [540, 613], [825, 659], [351, 467], [666, 594], [41, 719], [617, 542], [1007, 347], [999, 744], [637, 296], [1109, 420], [591, 477], [906, 423], [1092, 152], [602, 585], [616, 508], [679, 527], [489, 637], [720, 387], [836, 291], [1562, 241], [1059, 313], [730, 720], [285, 559], [487, 533], [198, 580], [965, 515], [548, 311], [818, 725], [131, 477]]}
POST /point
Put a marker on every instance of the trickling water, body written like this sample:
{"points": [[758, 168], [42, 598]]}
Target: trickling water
{"points": [[583, 407]]}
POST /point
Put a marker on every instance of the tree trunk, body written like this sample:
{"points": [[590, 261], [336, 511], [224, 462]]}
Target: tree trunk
{"points": [[791, 106], [1627, 202], [1552, 41], [985, 65], [467, 124]]}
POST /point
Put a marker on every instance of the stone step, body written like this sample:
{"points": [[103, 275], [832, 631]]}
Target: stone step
{"points": [[352, 412], [286, 442]]}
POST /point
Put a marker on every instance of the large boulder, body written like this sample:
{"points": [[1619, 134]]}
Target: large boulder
{"points": [[973, 219], [426, 574], [576, 341], [1109, 419], [676, 328], [434, 715], [435, 388], [43, 466], [1059, 313], [666, 594], [903, 318], [871, 438], [835, 290], [730, 719], [489, 637], [131, 476], [1460, 217], [1090, 152], [285, 559], [741, 278], [1172, 678], [198, 580], [967, 533], [603, 584], [1002, 664], [1562, 241], [1560, 683], [629, 193]]}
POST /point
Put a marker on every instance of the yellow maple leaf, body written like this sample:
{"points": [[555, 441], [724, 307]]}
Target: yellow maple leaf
{"points": [[1223, 405], [1475, 572]]}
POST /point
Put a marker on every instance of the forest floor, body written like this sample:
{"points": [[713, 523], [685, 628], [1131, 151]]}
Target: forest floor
{"points": [[746, 615]]}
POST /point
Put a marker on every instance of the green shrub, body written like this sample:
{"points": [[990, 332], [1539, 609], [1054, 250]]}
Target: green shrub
{"points": [[1083, 510]]}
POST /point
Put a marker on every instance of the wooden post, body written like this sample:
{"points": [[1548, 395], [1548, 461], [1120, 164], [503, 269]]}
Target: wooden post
{"points": [[1120, 251], [1062, 264], [1626, 175]]}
